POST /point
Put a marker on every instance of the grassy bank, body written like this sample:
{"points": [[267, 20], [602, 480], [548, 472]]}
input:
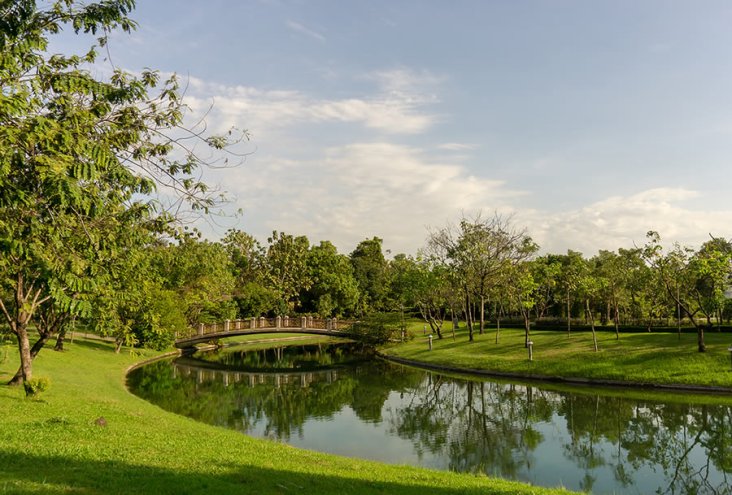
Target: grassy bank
{"points": [[660, 358], [53, 444]]}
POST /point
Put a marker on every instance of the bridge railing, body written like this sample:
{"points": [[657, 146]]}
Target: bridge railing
{"points": [[279, 322]]}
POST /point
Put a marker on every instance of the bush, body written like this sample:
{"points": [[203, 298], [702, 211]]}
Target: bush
{"points": [[378, 328], [35, 386]]}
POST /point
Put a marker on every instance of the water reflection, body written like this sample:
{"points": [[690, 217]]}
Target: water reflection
{"points": [[332, 398]]}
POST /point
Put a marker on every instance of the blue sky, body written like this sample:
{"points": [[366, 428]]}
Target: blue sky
{"points": [[590, 122]]}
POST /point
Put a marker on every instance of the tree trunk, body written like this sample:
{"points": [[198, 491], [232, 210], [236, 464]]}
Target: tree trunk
{"points": [[700, 339], [469, 314], [40, 344], [527, 327], [592, 323], [60, 340], [569, 316], [617, 320], [26, 367], [482, 314], [498, 322]]}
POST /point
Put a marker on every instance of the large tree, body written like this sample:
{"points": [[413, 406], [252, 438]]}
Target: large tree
{"points": [[286, 270], [333, 290], [371, 271], [78, 154], [696, 282], [480, 252]]}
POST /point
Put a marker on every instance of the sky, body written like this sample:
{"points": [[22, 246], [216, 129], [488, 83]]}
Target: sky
{"points": [[587, 123]]}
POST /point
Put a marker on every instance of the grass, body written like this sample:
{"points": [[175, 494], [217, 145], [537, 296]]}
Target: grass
{"points": [[648, 358], [54, 445]]}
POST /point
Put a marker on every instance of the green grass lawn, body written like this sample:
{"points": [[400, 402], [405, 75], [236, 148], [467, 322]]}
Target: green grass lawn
{"points": [[659, 358], [52, 444]]}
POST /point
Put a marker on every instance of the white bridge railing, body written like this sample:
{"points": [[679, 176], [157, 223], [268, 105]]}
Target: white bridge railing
{"points": [[262, 323]]}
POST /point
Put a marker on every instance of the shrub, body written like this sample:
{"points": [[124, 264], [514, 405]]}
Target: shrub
{"points": [[35, 386], [378, 328]]}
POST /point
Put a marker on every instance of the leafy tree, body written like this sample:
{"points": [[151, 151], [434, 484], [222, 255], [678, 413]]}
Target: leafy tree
{"points": [[590, 285], [478, 252], [522, 288], [201, 274], [572, 265], [694, 281], [76, 154], [371, 272], [286, 269], [545, 271], [246, 256], [334, 290], [423, 284]]}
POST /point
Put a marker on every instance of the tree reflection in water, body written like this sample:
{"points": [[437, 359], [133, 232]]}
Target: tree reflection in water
{"points": [[593, 442]]}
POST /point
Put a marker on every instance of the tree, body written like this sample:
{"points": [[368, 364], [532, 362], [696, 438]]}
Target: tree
{"points": [[200, 273], [694, 281], [422, 284], [545, 271], [333, 290], [522, 289], [478, 252], [78, 154], [589, 286], [370, 270], [286, 268], [572, 264]]}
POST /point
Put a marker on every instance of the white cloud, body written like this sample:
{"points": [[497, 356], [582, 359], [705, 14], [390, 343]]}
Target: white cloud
{"points": [[622, 221], [457, 146], [299, 28], [365, 189], [268, 110]]}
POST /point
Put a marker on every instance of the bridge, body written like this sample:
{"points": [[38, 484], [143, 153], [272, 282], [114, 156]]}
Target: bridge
{"points": [[231, 328]]}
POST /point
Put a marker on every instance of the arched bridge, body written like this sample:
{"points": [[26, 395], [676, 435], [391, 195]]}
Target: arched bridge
{"points": [[231, 328]]}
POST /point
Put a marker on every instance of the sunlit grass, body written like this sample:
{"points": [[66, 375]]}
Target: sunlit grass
{"points": [[654, 358], [53, 444]]}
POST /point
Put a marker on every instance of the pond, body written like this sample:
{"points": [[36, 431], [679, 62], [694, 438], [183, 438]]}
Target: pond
{"points": [[334, 398]]}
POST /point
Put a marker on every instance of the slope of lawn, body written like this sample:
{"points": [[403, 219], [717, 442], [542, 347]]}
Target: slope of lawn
{"points": [[648, 358], [58, 443]]}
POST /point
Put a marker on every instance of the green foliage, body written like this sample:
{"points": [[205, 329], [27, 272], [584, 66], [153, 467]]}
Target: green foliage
{"points": [[36, 386], [80, 157], [333, 290], [379, 328], [201, 274], [286, 269], [256, 300], [370, 270]]}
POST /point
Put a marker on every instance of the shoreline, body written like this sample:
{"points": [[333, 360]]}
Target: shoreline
{"points": [[565, 380]]}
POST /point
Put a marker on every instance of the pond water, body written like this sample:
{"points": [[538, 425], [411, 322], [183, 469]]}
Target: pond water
{"points": [[332, 398]]}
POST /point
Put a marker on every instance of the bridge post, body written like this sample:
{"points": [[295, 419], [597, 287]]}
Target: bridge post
{"points": [[287, 321], [328, 324], [226, 325], [334, 324], [252, 323], [262, 322], [278, 322], [237, 324], [200, 329], [304, 322], [310, 322]]}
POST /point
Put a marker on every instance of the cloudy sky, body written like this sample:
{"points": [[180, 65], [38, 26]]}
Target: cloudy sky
{"points": [[591, 122]]}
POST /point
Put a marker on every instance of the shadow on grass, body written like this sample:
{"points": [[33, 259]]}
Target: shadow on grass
{"points": [[91, 344], [27, 473]]}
